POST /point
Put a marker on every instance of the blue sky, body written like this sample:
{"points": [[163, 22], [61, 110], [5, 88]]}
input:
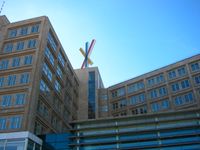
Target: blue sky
{"points": [[133, 36]]}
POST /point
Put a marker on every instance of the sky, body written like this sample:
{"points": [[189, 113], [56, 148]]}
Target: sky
{"points": [[133, 37]]}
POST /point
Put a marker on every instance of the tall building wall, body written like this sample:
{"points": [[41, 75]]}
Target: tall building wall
{"points": [[38, 87], [90, 82], [171, 88]]}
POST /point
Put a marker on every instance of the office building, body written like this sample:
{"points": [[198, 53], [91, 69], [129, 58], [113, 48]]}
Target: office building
{"points": [[38, 86], [171, 88]]}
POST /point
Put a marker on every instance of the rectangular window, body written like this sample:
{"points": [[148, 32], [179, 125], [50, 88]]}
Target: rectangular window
{"points": [[184, 99], [172, 74], [181, 71], [197, 80], [12, 33], [57, 86], [24, 31], [4, 64], [122, 103], [135, 87], [59, 72], [8, 48], [11, 80], [175, 87], [32, 43], [2, 123], [153, 94], [15, 122], [195, 66], [155, 107], [49, 55], [52, 41], [20, 45], [61, 59], [16, 62], [185, 84], [24, 78], [1, 81], [28, 60], [178, 100], [44, 87], [35, 28], [47, 71], [20, 99], [6, 100], [162, 91], [165, 104]]}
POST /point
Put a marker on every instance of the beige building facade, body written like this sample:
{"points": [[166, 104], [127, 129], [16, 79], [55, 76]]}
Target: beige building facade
{"points": [[38, 86]]}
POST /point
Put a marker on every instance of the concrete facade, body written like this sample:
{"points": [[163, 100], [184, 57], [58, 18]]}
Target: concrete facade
{"points": [[38, 86]]}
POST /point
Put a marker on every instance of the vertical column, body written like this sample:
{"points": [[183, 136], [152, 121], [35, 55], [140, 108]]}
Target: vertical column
{"points": [[86, 54]]}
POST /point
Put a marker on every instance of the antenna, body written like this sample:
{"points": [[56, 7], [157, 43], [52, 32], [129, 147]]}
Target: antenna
{"points": [[2, 6]]}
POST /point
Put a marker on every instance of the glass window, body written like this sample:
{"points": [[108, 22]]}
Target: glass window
{"points": [[2, 123], [20, 99], [4, 64], [8, 47], [47, 71], [195, 66], [15, 122], [172, 74], [135, 87], [35, 28], [57, 86], [11, 80], [1, 81], [181, 71], [44, 87], [6, 100], [28, 60], [153, 94], [197, 80], [59, 72], [104, 108], [162, 91], [175, 87], [24, 31], [188, 97], [32, 43], [12, 33], [61, 59], [49, 55], [20, 45], [16, 62], [165, 104], [24, 78], [185, 84], [52, 41], [155, 107], [122, 103], [178, 100]]}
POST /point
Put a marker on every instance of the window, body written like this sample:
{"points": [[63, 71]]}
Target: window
{"points": [[165, 104], [47, 71], [35, 28], [28, 60], [104, 108], [161, 105], [49, 55], [24, 31], [15, 122], [1, 81], [153, 94], [197, 80], [155, 107], [184, 99], [185, 84], [8, 47], [32, 43], [57, 86], [59, 72], [195, 66], [6, 100], [4, 64], [115, 106], [12, 33], [2, 123], [137, 99], [61, 59], [20, 45], [11, 80], [181, 71], [16, 62], [24, 78], [135, 87], [162, 91], [20, 99], [156, 80], [122, 103], [44, 87], [52, 41], [172, 74]]}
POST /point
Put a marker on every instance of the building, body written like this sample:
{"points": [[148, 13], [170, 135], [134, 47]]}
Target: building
{"points": [[171, 88], [154, 131], [90, 81], [20, 141], [38, 86]]}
